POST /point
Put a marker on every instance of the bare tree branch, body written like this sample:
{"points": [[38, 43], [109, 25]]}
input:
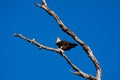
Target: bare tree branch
{"points": [[61, 52], [33, 41], [74, 36], [78, 71]]}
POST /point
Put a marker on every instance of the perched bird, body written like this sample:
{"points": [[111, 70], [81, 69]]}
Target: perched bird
{"points": [[65, 45]]}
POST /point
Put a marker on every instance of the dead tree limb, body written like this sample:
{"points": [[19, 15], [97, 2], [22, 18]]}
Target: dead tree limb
{"points": [[58, 50], [75, 37]]}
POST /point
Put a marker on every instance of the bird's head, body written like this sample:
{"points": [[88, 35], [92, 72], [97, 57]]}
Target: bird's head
{"points": [[58, 39]]}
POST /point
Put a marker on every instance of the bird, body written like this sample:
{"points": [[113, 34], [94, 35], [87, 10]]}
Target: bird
{"points": [[65, 45]]}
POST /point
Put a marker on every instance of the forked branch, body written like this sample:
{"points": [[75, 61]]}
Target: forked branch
{"points": [[61, 52], [74, 36]]}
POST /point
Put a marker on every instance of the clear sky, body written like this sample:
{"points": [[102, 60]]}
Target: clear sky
{"points": [[96, 22]]}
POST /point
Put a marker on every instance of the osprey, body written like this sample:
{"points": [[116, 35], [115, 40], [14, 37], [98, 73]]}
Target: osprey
{"points": [[65, 45]]}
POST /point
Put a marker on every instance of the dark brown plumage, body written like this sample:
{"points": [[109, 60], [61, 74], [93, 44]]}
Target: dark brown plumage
{"points": [[65, 45]]}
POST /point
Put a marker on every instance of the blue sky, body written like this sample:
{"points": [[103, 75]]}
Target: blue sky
{"points": [[97, 23]]}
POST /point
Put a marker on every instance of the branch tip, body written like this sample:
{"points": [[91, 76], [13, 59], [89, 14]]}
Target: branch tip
{"points": [[17, 35], [44, 2], [37, 4]]}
